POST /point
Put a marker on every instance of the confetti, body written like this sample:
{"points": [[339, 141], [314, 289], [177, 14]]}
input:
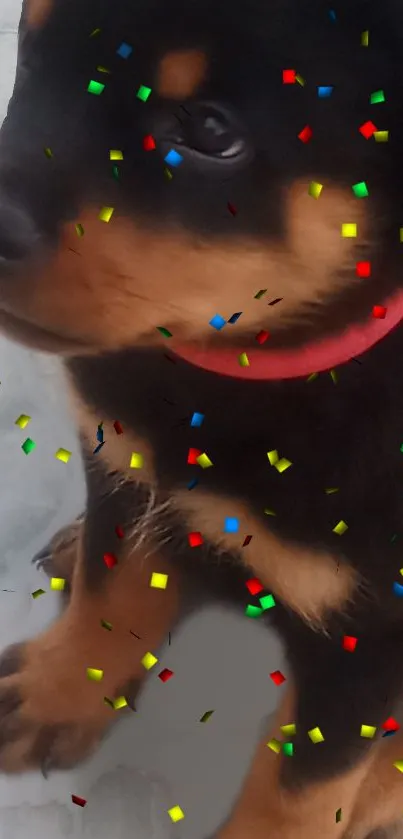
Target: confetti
{"points": [[288, 749], [324, 91], [195, 539], [349, 643], [331, 490], [340, 528], [119, 531], [390, 724], [274, 745], [106, 625], [125, 50], [244, 360], [367, 129], [95, 87], [363, 269], [143, 93], [197, 420], [149, 143], [315, 735], [277, 677], [94, 674], [349, 231], [28, 445], [63, 454], [234, 318], [381, 136], [273, 457], [282, 465], [253, 611], [263, 291], [136, 460], [57, 584], [267, 602], [289, 730], [305, 135], [23, 420], [360, 190], [79, 230], [398, 589], [39, 591], [176, 814], [173, 158], [288, 76], [81, 802], [158, 580], [338, 815], [333, 376], [106, 213], [275, 301], [48, 153], [254, 585], [119, 702], [118, 427], [217, 322], [110, 560], [165, 674], [206, 716], [262, 336], [204, 461], [231, 525], [231, 208], [379, 312], [315, 189], [365, 38], [148, 661], [193, 455], [165, 332], [368, 731], [377, 97], [247, 540]]}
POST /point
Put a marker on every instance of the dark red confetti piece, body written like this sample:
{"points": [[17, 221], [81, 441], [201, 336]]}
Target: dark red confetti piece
{"points": [[289, 76], [277, 677], [193, 454], [81, 802], [349, 643], [232, 209], [262, 336], [275, 301], [391, 724], [119, 531], [368, 129], [149, 143], [305, 135], [247, 541], [110, 560], [118, 427], [165, 674]]}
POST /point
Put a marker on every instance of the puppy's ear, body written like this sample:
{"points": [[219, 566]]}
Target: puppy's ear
{"points": [[37, 11]]}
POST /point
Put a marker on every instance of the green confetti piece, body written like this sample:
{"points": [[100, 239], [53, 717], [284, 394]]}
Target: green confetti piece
{"points": [[312, 377], [340, 528], [206, 716], [376, 97], [115, 172], [79, 230], [288, 749], [267, 602], [38, 592], [260, 293], [360, 190], [253, 611], [143, 93], [338, 815], [165, 332], [106, 625], [95, 87], [28, 445], [300, 80]]}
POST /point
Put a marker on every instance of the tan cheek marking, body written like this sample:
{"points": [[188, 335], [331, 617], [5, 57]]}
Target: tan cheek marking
{"points": [[37, 11], [118, 448], [180, 73], [308, 582]]}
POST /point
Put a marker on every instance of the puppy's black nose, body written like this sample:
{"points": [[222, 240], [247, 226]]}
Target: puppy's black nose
{"points": [[18, 234]]}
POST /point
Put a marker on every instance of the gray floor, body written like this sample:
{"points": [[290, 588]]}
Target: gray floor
{"points": [[162, 756]]}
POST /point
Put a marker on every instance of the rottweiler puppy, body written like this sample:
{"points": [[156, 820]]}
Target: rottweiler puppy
{"points": [[201, 210]]}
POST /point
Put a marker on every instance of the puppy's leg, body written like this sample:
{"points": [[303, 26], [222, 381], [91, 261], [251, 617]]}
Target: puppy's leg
{"points": [[51, 711], [379, 802], [298, 796]]}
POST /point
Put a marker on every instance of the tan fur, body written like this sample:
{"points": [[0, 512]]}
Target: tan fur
{"points": [[37, 12], [124, 280], [180, 73], [307, 581]]}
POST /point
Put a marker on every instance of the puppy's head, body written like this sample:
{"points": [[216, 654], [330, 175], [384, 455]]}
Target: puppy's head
{"points": [[161, 163]]}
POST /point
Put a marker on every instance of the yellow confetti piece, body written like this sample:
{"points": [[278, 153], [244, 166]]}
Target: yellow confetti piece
{"points": [[94, 674], [365, 38], [102, 69], [115, 154], [401, 234], [273, 457], [244, 360], [63, 454], [168, 174], [398, 764], [37, 593], [204, 461], [333, 376], [268, 512], [401, 571], [282, 464], [340, 528], [23, 420], [57, 583], [316, 735], [79, 230], [119, 702], [48, 153], [176, 814], [300, 80], [315, 189], [349, 231], [274, 745], [158, 580], [368, 731], [148, 661], [106, 213], [381, 136], [289, 730], [136, 461], [331, 490]]}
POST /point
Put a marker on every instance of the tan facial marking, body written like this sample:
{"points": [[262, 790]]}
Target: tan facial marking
{"points": [[37, 12], [308, 581], [181, 73]]}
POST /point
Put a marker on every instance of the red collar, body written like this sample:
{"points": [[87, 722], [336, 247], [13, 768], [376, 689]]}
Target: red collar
{"points": [[314, 357]]}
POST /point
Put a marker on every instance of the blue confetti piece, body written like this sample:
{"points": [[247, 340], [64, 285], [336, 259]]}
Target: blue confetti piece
{"points": [[192, 483], [398, 589], [173, 158], [325, 91], [388, 734], [217, 322], [231, 525], [196, 420], [125, 50], [332, 14], [98, 448], [235, 317], [100, 434]]}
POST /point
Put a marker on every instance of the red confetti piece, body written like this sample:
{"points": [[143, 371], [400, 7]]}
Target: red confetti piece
{"points": [[195, 539], [363, 269], [289, 76], [368, 129], [247, 541], [277, 677], [254, 585], [165, 674], [119, 531], [262, 336], [232, 209], [81, 802], [391, 724], [379, 312], [193, 454], [306, 134], [349, 643], [118, 427], [110, 560], [149, 143]]}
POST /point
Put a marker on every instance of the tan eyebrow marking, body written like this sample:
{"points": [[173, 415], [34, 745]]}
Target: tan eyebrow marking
{"points": [[180, 73]]}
